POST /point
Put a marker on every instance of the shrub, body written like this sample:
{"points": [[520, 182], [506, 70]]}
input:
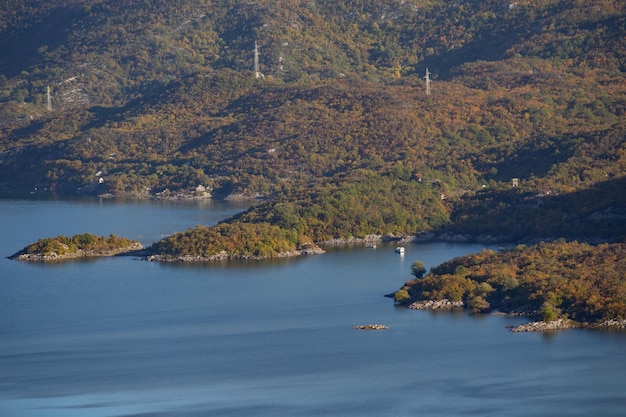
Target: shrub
{"points": [[401, 297]]}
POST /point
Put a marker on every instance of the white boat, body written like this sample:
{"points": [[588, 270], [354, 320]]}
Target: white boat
{"points": [[400, 250]]}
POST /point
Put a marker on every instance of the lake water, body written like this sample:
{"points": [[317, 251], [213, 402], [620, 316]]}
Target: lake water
{"points": [[123, 337]]}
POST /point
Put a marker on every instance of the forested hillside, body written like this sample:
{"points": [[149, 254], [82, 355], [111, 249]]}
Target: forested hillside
{"points": [[337, 131]]}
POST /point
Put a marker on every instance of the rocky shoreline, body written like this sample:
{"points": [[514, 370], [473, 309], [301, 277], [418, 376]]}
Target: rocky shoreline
{"points": [[444, 304], [369, 239], [610, 324], [545, 326], [225, 256], [561, 324], [533, 326]]}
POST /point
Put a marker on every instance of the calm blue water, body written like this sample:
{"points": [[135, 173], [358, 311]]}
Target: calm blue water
{"points": [[122, 337]]}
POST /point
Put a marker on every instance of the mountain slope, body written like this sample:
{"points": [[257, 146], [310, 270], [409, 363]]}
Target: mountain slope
{"points": [[157, 96]]}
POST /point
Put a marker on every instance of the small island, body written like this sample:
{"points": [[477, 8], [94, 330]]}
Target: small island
{"points": [[558, 285], [370, 327], [84, 245]]}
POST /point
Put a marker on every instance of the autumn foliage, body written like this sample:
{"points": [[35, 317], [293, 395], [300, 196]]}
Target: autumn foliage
{"points": [[575, 280], [339, 137]]}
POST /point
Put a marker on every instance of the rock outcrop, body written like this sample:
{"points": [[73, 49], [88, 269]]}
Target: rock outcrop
{"points": [[371, 327], [614, 324], [543, 326]]}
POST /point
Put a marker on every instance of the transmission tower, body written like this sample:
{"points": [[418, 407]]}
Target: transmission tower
{"points": [[427, 78], [48, 99], [257, 71]]}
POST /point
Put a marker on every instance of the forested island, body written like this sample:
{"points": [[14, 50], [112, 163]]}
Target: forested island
{"points": [[570, 284], [84, 245]]}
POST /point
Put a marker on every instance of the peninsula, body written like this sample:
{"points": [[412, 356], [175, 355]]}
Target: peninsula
{"points": [[559, 284], [231, 241]]}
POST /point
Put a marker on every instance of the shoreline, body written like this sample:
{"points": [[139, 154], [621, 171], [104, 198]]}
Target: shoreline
{"points": [[563, 324], [225, 256], [537, 326], [314, 249]]}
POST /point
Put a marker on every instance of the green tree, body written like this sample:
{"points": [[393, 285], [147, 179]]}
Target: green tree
{"points": [[401, 297], [548, 312], [418, 269]]}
